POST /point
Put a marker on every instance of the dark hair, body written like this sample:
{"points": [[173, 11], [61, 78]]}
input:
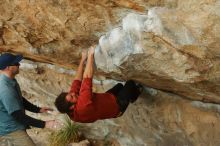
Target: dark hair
{"points": [[61, 104]]}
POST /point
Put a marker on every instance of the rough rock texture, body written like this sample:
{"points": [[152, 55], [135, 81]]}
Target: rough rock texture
{"points": [[164, 50], [170, 45]]}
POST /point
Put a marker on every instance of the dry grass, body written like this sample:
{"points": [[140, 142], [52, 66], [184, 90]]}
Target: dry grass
{"points": [[67, 134]]}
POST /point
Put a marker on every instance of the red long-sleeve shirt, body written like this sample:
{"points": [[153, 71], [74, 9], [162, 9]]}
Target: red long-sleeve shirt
{"points": [[92, 106]]}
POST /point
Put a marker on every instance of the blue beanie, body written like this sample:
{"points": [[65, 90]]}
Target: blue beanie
{"points": [[8, 59]]}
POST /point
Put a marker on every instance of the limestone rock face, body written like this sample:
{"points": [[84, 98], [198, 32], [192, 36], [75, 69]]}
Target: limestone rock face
{"points": [[170, 45], [47, 31], [162, 50]]}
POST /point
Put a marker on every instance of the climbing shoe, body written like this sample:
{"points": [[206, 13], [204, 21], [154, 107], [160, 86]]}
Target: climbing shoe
{"points": [[139, 90]]}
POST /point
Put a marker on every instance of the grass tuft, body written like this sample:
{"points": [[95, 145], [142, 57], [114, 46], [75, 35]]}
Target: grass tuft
{"points": [[67, 134]]}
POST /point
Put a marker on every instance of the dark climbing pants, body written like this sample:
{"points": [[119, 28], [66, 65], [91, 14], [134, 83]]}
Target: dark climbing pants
{"points": [[125, 94]]}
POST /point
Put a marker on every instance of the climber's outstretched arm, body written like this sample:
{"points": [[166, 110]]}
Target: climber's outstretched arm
{"points": [[79, 73], [88, 73]]}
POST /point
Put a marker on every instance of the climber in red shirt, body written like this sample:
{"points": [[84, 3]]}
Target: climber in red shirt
{"points": [[83, 105]]}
